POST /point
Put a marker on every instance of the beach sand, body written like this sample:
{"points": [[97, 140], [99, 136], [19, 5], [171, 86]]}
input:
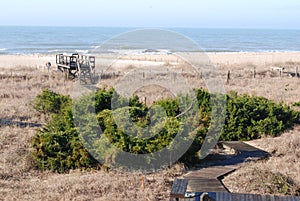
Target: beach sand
{"points": [[39, 60], [242, 66]]}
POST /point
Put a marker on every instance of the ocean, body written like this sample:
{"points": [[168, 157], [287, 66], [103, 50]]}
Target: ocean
{"points": [[52, 40]]}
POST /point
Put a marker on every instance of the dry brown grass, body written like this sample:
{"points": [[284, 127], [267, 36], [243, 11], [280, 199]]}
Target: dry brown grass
{"points": [[259, 177], [97, 185], [19, 180], [19, 87], [266, 83], [284, 163]]}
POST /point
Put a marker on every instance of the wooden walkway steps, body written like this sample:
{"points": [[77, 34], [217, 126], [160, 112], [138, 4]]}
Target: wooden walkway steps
{"points": [[208, 179], [225, 196], [179, 188]]}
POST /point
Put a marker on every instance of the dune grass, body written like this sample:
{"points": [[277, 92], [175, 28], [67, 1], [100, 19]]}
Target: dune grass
{"points": [[19, 180]]}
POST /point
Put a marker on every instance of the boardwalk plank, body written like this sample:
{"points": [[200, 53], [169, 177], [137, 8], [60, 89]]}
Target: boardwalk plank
{"points": [[208, 179], [179, 188]]}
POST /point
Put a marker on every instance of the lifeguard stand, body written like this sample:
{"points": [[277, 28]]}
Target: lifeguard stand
{"points": [[77, 66]]}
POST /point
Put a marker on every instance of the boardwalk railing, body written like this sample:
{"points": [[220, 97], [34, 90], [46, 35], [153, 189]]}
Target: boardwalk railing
{"points": [[77, 66]]}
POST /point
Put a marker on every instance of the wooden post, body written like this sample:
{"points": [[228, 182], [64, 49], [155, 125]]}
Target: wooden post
{"points": [[296, 71], [228, 77], [67, 74], [254, 72], [143, 183], [199, 75]]}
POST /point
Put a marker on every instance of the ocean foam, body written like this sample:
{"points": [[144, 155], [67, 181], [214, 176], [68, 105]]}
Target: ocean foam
{"points": [[82, 51]]}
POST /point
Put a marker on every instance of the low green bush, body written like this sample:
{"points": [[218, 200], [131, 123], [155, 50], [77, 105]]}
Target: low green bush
{"points": [[59, 146], [297, 104]]}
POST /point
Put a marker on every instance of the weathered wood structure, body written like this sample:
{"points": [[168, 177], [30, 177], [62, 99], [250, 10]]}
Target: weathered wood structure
{"points": [[225, 196], [207, 180], [77, 66]]}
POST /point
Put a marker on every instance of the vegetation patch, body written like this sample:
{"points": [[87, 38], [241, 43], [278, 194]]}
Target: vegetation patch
{"points": [[273, 183], [297, 104], [58, 146]]}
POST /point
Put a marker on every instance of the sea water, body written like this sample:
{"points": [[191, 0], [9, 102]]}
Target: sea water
{"points": [[53, 40]]}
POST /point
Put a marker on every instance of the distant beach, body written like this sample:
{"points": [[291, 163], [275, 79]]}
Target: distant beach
{"points": [[224, 58]]}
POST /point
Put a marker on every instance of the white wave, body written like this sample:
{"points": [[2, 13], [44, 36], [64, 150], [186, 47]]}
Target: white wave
{"points": [[82, 51], [3, 49], [140, 51], [54, 50], [96, 46]]}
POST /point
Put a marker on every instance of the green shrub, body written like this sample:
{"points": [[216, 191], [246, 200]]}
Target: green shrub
{"points": [[251, 117], [49, 102], [297, 104], [59, 146], [131, 141], [171, 106], [103, 99]]}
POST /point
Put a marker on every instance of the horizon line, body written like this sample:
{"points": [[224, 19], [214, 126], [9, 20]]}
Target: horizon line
{"points": [[157, 27]]}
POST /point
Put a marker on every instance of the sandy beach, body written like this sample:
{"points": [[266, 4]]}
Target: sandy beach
{"points": [[250, 73], [257, 58]]}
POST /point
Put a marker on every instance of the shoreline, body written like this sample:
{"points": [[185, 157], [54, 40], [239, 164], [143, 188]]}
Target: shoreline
{"points": [[218, 58]]}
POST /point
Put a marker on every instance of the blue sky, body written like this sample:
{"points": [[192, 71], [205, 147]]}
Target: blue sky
{"points": [[153, 13]]}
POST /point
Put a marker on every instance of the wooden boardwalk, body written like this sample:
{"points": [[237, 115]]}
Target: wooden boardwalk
{"points": [[208, 178], [225, 196]]}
